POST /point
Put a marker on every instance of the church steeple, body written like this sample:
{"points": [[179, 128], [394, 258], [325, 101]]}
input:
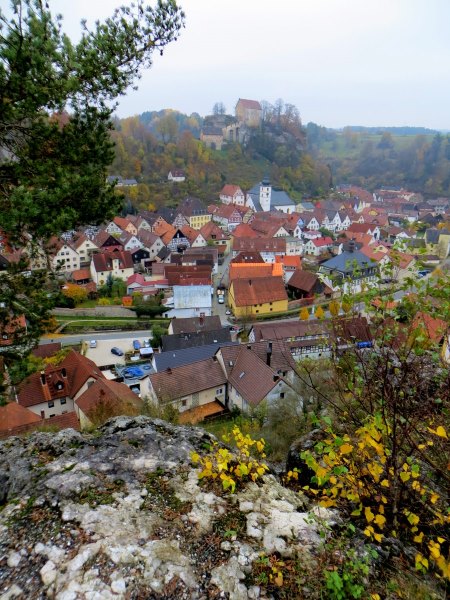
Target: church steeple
{"points": [[265, 193]]}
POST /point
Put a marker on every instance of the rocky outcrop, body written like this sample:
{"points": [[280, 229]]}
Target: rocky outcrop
{"points": [[121, 514]]}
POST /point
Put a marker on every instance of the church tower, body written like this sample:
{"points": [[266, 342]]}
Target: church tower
{"points": [[265, 194]]}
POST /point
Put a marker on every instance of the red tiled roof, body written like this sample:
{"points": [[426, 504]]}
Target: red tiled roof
{"points": [[111, 392], [62, 381], [121, 222], [249, 103], [81, 274], [260, 290], [64, 421], [210, 228], [326, 241], [361, 228], [303, 280], [46, 350], [289, 261], [243, 230], [13, 415], [230, 190], [248, 270], [435, 328]]}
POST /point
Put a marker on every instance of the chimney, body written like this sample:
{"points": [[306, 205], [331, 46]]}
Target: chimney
{"points": [[45, 388], [201, 319], [249, 282], [169, 371], [269, 353], [64, 372], [351, 246]]}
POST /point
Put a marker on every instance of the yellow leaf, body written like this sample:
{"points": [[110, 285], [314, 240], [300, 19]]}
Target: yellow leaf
{"points": [[346, 449], [441, 540], [375, 596], [380, 520], [418, 538], [404, 476], [435, 552], [369, 514], [440, 431], [378, 537], [434, 498], [195, 457], [385, 483]]}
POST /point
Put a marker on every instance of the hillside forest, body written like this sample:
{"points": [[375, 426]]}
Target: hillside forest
{"points": [[306, 161]]}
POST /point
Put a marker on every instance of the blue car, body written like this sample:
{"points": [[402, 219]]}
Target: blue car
{"points": [[117, 351]]}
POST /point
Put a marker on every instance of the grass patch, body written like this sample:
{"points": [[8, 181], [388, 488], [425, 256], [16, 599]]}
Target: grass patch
{"points": [[96, 497]]}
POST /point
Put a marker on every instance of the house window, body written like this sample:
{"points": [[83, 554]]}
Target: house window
{"points": [[282, 395], [51, 404], [63, 400], [52, 416], [184, 402], [219, 391]]}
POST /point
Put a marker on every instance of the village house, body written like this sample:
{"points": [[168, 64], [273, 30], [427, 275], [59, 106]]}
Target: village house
{"points": [[195, 237], [176, 176], [258, 296], [304, 284], [191, 301], [107, 242], [268, 248], [318, 246], [199, 388], [54, 390], [349, 272], [232, 194], [215, 236], [290, 264], [229, 216], [130, 241], [85, 248], [194, 324], [117, 264], [151, 242], [64, 257]]}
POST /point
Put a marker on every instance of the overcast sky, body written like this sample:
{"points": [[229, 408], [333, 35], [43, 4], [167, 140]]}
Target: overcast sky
{"points": [[341, 62]]}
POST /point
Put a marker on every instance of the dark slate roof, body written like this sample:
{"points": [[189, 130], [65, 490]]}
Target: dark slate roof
{"points": [[195, 324], [164, 253], [345, 262], [176, 358], [191, 340], [432, 235]]}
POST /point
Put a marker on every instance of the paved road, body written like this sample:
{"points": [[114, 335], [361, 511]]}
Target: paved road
{"points": [[68, 340]]}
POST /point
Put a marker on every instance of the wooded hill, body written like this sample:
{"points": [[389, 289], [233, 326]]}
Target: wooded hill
{"points": [[305, 161]]}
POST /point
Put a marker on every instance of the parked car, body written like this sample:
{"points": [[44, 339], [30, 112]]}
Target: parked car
{"points": [[228, 312], [423, 273], [220, 299], [136, 344], [117, 351], [93, 344]]}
